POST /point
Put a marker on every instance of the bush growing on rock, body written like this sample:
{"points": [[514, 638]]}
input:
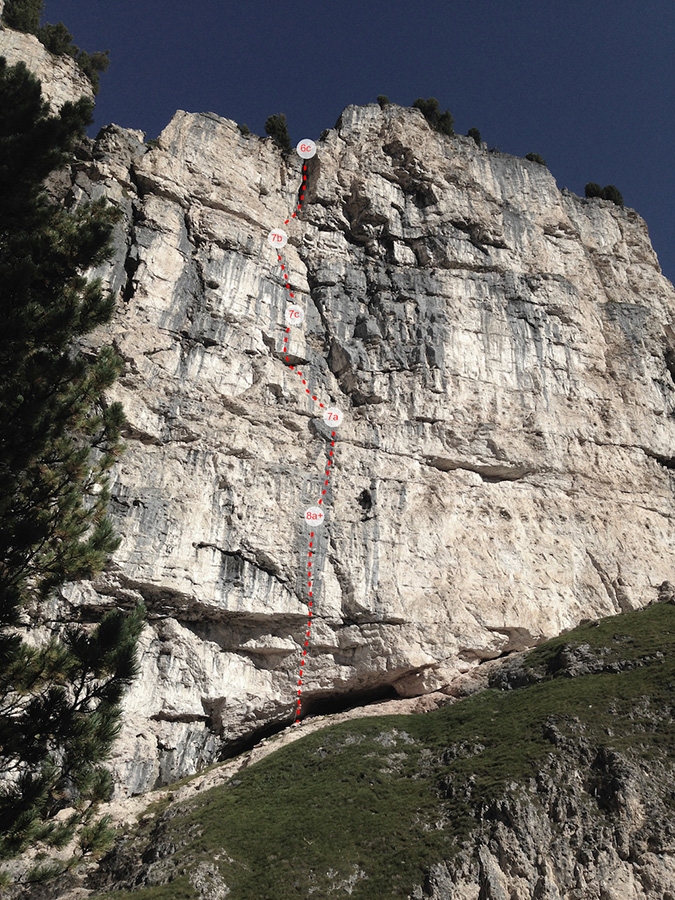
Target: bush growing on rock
{"points": [[92, 64], [58, 40], [475, 134], [277, 128], [441, 122], [535, 157], [609, 192], [383, 100], [23, 15]]}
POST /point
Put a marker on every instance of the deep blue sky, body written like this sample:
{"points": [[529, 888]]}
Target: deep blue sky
{"points": [[588, 84]]}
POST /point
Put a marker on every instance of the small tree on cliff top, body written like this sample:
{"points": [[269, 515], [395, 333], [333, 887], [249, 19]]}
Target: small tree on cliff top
{"points": [[59, 704], [23, 15], [277, 128], [441, 122]]}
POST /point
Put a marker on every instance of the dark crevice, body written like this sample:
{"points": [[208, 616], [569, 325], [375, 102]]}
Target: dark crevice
{"points": [[326, 704], [365, 500], [178, 717], [233, 563], [249, 741], [669, 357], [491, 474], [341, 365], [131, 264], [668, 462]]}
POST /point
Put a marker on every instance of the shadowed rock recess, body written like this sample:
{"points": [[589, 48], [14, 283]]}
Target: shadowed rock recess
{"points": [[504, 469]]}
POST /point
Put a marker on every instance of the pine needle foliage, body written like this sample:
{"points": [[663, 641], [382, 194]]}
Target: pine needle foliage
{"points": [[59, 703], [593, 189], [536, 157], [59, 41], [609, 192], [23, 15], [276, 127], [441, 122]]}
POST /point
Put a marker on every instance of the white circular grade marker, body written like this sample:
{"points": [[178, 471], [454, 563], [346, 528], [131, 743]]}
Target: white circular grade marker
{"points": [[306, 148], [314, 515], [277, 238], [333, 417], [294, 314]]}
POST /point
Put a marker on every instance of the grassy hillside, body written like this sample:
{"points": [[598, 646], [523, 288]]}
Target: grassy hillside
{"points": [[368, 806]]}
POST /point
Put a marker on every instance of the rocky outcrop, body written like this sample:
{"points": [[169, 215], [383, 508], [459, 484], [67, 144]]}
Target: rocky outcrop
{"points": [[61, 78], [504, 468], [593, 826]]}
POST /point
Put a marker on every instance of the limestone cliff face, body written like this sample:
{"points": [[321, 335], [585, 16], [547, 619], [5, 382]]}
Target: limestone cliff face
{"points": [[504, 466]]}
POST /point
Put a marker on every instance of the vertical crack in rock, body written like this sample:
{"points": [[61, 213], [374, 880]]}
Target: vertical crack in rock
{"points": [[615, 591]]}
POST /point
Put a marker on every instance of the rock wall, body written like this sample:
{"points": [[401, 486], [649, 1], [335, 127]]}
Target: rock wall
{"points": [[504, 468], [62, 79]]}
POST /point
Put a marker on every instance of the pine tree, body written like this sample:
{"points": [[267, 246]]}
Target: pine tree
{"points": [[474, 133], [23, 15], [59, 703], [441, 122], [608, 192], [57, 39], [535, 157], [277, 128], [611, 192]]}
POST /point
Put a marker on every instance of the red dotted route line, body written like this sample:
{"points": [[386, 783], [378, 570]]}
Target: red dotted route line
{"points": [[329, 463], [302, 197], [310, 585]]}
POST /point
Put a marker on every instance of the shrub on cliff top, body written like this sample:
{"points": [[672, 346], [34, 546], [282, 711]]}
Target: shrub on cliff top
{"points": [[93, 63], [475, 134], [441, 122], [277, 129], [535, 157], [23, 15], [57, 39], [609, 192]]}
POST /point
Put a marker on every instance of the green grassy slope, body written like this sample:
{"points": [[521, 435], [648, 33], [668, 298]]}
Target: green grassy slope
{"points": [[372, 803]]}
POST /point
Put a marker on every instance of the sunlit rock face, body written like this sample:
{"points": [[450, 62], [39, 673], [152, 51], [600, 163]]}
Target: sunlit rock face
{"points": [[504, 467]]}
